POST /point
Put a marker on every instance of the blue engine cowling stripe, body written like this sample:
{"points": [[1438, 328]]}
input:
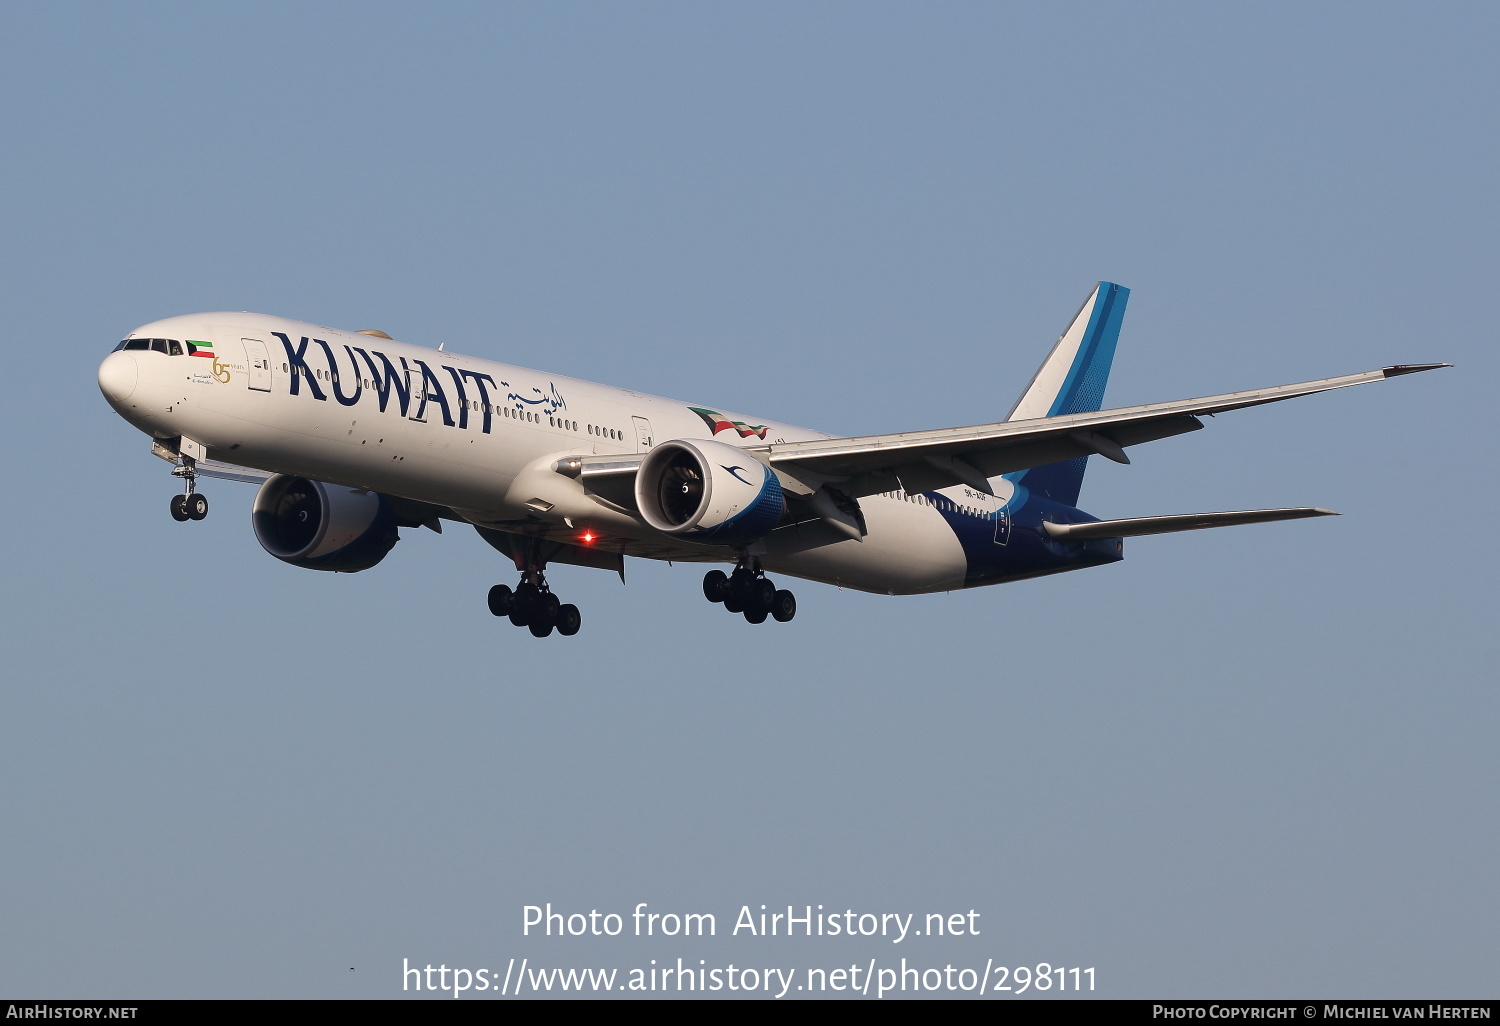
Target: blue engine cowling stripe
{"points": [[754, 521]]}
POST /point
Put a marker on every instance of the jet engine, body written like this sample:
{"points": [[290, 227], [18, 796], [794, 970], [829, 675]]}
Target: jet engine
{"points": [[322, 526], [708, 492]]}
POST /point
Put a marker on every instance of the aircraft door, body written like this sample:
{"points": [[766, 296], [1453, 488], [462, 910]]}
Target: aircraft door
{"points": [[643, 438], [1002, 528], [258, 359], [416, 385]]}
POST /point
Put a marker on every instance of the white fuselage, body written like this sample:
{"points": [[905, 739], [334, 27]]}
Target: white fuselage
{"points": [[295, 398]]}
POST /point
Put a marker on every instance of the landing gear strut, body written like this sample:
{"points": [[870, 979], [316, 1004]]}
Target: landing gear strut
{"points": [[533, 606], [749, 591], [189, 505]]}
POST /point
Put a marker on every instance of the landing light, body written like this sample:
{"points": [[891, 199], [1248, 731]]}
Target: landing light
{"points": [[588, 537]]}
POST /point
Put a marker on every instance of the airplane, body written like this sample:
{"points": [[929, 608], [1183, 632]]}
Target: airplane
{"points": [[352, 435]]}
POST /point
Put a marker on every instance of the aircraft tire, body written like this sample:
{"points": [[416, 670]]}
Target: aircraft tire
{"points": [[733, 604], [550, 605], [568, 620], [784, 606], [518, 618], [756, 615], [527, 599], [540, 628], [179, 508], [196, 506], [762, 594], [715, 585], [740, 589], [501, 599]]}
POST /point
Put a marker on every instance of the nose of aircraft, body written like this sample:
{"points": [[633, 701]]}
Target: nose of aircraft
{"points": [[117, 377]]}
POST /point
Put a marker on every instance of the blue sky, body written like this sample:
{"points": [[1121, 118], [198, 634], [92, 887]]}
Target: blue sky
{"points": [[1249, 762]]}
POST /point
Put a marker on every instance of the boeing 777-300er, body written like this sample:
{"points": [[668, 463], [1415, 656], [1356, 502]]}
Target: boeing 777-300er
{"points": [[352, 435]]}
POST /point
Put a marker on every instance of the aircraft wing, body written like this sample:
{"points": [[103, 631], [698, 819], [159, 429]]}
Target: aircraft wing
{"points": [[919, 461]]}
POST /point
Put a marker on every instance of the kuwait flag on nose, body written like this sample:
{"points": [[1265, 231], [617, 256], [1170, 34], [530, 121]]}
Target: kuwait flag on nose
{"points": [[200, 348]]}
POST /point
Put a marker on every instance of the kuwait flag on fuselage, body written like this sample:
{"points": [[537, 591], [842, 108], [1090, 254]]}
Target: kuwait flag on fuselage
{"points": [[200, 349]]}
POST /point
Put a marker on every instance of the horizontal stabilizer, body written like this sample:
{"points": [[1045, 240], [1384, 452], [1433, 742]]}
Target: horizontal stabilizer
{"points": [[1182, 522]]}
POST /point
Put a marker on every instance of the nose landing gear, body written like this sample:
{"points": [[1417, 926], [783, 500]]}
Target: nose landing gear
{"points": [[189, 505], [750, 592]]}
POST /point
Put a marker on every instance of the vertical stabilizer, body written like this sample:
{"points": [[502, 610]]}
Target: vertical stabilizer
{"points": [[1072, 380]]}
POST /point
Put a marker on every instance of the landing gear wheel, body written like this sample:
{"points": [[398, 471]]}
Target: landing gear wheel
{"points": [[196, 506], [550, 605], [179, 508], [518, 618], [783, 606], [540, 628], [527, 599], [741, 587], [715, 585], [756, 615], [501, 600], [733, 604], [568, 620], [762, 594]]}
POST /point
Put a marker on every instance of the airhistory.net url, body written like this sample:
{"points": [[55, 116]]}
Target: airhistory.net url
{"points": [[864, 980]]}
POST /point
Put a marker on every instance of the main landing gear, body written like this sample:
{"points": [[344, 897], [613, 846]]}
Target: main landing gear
{"points": [[749, 591], [532, 605], [189, 505]]}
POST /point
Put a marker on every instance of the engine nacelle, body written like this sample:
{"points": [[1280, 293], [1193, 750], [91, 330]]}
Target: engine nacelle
{"points": [[708, 492], [322, 526]]}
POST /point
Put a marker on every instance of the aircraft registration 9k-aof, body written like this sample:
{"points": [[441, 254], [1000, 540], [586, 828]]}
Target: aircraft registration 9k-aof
{"points": [[352, 436]]}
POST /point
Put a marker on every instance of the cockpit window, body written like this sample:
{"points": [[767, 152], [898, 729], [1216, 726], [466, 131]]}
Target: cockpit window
{"points": [[168, 346]]}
